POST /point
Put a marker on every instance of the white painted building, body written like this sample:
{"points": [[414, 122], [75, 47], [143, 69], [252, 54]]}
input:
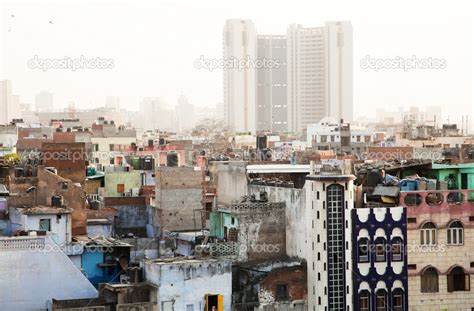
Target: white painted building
{"points": [[38, 271], [56, 221], [9, 103], [240, 44], [319, 72], [328, 130], [329, 201], [190, 284]]}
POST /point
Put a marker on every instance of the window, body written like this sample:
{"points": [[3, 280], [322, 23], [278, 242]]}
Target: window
{"points": [[45, 225], [397, 249], [380, 249], [380, 300], [282, 292], [120, 188], [364, 300], [189, 307], [428, 234], [397, 302], [458, 280], [429, 281], [455, 233], [363, 250]]}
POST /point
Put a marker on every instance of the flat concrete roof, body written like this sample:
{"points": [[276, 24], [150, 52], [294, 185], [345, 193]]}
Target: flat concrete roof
{"points": [[280, 168]]}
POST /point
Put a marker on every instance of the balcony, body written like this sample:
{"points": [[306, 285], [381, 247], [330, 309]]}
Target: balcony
{"points": [[422, 205]]}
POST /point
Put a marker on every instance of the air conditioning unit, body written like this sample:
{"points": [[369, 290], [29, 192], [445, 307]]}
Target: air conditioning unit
{"points": [[135, 192]]}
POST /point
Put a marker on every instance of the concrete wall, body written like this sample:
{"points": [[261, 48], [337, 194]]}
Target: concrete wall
{"points": [[187, 282], [261, 235], [231, 181], [129, 179], [294, 215], [178, 193], [68, 158], [31, 277]]}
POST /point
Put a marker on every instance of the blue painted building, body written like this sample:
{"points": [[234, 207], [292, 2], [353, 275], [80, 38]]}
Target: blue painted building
{"points": [[104, 260], [380, 275]]}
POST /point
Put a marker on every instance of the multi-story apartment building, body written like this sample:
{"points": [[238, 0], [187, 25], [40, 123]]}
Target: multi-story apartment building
{"points": [[329, 201], [272, 84], [379, 259], [312, 79], [319, 69], [440, 238], [240, 45], [9, 103]]}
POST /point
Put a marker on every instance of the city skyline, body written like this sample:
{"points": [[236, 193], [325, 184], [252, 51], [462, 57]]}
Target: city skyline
{"points": [[398, 35]]}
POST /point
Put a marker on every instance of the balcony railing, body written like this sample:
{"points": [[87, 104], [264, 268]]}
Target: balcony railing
{"points": [[22, 243]]}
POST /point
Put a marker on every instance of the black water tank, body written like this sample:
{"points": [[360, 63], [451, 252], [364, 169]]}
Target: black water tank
{"points": [[261, 142], [57, 201], [374, 177], [135, 274], [147, 163], [172, 159]]}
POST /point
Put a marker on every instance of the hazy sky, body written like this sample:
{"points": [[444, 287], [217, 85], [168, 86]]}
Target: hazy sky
{"points": [[153, 45]]}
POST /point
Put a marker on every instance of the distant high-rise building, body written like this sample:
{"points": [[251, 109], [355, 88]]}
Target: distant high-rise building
{"points": [[154, 115], [240, 45], [112, 102], [9, 103], [185, 114], [319, 70], [339, 70], [44, 101], [272, 84]]}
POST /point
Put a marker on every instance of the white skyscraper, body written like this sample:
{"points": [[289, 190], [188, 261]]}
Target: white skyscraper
{"points": [[240, 44], [185, 114], [9, 104], [44, 101], [339, 70], [319, 72]]}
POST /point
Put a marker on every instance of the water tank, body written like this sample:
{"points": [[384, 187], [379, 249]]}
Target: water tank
{"points": [[57, 201], [136, 163], [261, 142], [147, 163], [135, 274], [374, 177], [172, 159]]}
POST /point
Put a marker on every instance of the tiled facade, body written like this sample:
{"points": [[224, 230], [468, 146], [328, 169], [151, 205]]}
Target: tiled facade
{"points": [[431, 256], [379, 258], [329, 201]]}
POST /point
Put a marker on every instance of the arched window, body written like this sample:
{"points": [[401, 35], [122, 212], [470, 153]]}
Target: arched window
{"points": [[428, 234], [397, 299], [380, 249], [397, 249], [458, 280], [381, 300], [429, 281], [364, 300], [455, 233], [363, 250]]}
